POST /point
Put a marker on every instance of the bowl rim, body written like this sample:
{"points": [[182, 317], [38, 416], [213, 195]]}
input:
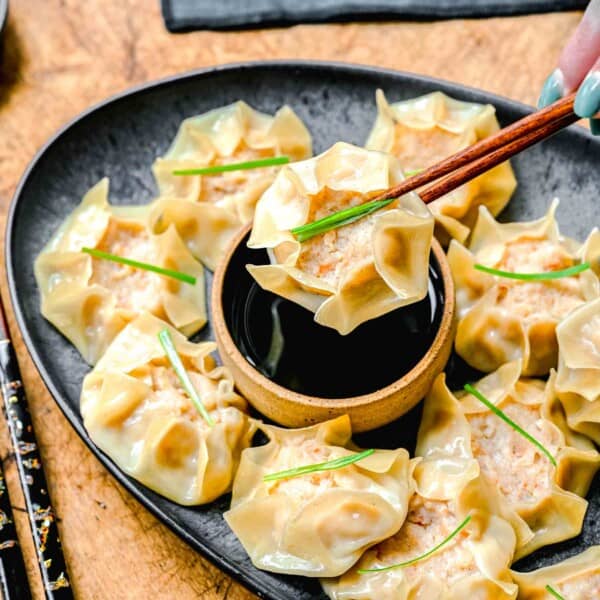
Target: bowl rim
{"points": [[230, 348]]}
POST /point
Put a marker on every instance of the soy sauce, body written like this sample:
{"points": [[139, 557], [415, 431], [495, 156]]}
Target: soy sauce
{"points": [[282, 341]]}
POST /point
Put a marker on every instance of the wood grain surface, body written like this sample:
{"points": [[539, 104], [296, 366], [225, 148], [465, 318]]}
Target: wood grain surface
{"points": [[60, 57]]}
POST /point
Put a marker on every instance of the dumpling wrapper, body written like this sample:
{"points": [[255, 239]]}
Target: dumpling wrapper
{"points": [[319, 524], [354, 273], [208, 210], [576, 578], [136, 411], [549, 500], [89, 300], [501, 319], [578, 376], [422, 131], [473, 565]]}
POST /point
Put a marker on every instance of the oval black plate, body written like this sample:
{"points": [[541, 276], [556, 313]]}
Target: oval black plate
{"points": [[120, 139]]}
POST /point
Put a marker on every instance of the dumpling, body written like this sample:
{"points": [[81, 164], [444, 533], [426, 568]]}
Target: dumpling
{"points": [[136, 411], [578, 376], [208, 210], [423, 131], [354, 273], [547, 498], [472, 565], [89, 300], [577, 578], [503, 319], [318, 524]]}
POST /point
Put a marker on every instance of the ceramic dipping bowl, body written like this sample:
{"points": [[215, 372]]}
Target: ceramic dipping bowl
{"points": [[297, 372]]}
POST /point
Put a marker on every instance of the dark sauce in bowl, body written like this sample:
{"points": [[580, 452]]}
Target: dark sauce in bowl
{"points": [[282, 341]]}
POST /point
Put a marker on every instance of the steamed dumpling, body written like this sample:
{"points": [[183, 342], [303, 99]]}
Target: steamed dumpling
{"points": [[503, 319], [89, 300], [422, 131], [578, 377], [320, 523], [208, 210], [473, 565], [354, 273], [577, 578], [136, 411], [547, 498]]}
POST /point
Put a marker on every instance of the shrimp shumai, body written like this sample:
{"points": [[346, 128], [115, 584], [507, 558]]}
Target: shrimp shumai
{"points": [[503, 319], [578, 377], [576, 578], [90, 300], [355, 272], [544, 500], [473, 564], [317, 524], [135, 409], [209, 209], [422, 131]]}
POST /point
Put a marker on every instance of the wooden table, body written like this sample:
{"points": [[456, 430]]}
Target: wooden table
{"points": [[62, 56]]}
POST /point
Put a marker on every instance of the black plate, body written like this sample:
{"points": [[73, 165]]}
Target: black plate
{"points": [[120, 138]]}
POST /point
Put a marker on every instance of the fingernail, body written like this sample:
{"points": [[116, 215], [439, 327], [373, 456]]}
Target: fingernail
{"points": [[553, 89], [587, 101], [595, 126]]}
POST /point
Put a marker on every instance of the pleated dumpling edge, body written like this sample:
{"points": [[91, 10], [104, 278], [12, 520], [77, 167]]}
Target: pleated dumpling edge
{"points": [[356, 272]]}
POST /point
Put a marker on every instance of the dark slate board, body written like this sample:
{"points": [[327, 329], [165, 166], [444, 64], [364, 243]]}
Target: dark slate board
{"points": [[185, 15], [120, 139]]}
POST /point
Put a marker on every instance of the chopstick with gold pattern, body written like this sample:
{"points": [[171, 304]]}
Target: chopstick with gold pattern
{"points": [[42, 519]]}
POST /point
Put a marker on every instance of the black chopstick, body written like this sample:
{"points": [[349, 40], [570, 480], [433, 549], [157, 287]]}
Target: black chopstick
{"points": [[42, 520], [13, 576]]}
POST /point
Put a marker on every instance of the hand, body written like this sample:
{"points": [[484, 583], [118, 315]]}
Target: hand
{"points": [[579, 62]]}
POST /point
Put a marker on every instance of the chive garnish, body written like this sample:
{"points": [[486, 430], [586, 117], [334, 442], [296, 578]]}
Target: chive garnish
{"points": [[412, 172], [166, 341], [427, 554], [338, 219], [574, 270], [552, 591], [241, 166], [330, 465], [500, 413], [140, 265]]}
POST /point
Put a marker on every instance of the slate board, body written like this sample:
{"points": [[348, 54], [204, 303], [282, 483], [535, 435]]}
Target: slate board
{"points": [[185, 15]]}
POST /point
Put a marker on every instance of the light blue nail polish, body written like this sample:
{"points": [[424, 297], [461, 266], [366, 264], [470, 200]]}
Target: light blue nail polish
{"points": [[595, 126], [587, 101], [552, 90]]}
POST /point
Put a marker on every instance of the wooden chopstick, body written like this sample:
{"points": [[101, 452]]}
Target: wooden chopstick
{"points": [[487, 153], [42, 519]]}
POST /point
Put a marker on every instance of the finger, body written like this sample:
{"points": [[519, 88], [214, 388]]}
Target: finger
{"points": [[587, 101], [583, 49], [576, 59]]}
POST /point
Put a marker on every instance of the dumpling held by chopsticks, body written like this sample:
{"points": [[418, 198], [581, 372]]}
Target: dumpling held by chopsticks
{"points": [[351, 273]]}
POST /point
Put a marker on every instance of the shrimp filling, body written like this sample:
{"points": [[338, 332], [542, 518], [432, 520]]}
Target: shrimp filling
{"points": [[216, 188], [581, 587], [535, 301], [429, 522], [522, 473], [420, 148], [332, 256], [133, 289]]}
